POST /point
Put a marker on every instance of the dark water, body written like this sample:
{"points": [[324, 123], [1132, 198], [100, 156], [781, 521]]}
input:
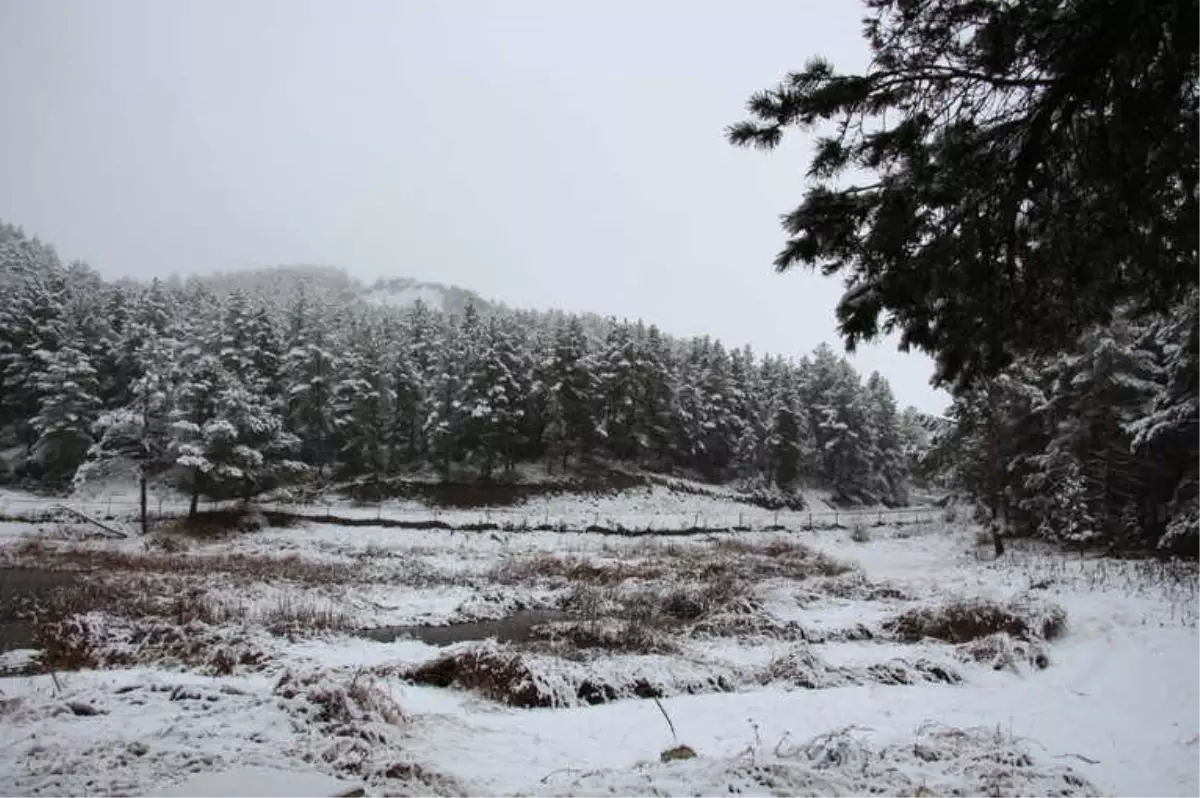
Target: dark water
{"points": [[17, 586], [515, 628]]}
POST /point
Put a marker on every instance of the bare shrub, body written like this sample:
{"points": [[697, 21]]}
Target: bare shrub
{"points": [[859, 533], [964, 620], [67, 643]]}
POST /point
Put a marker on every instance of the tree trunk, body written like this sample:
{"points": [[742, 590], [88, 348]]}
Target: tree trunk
{"points": [[143, 497], [195, 506]]}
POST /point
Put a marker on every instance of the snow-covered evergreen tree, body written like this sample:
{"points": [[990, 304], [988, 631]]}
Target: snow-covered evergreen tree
{"points": [[68, 406]]}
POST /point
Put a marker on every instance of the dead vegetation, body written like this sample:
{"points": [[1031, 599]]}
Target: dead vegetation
{"points": [[728, 558], [291, 615], [337, 702], [78, 642], [244, 568], [999, 651], [940, 761], [572, 639], [493, 673], [358, 724], [964, 620], [114, 623], [640, 617], [526, 680], [802, 667]]}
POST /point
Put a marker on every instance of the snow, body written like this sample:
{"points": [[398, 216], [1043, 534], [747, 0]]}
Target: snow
{"points": [[261, 782], [1118, 705]]}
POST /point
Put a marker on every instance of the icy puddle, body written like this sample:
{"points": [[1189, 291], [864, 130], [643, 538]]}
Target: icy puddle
{"points": [[17, 587]]}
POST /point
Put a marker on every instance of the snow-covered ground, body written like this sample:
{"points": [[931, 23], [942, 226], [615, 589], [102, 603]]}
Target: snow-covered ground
{"points": [[653, 508], [773, 654]]}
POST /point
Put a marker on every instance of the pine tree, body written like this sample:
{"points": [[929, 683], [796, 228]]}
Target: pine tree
{"points": [[572, 388], [139, 430], [67, 407], [310, 374], [34, 329], [226, 440], [619, 364], [1029, 166], [495, 396], [363, 410], [785, 448], [888, 468]]}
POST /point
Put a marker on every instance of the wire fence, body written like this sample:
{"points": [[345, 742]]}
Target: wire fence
{"points": [[119, 508]]}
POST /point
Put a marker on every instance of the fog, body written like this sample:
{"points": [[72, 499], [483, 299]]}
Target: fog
{"points": [[543, 154]]}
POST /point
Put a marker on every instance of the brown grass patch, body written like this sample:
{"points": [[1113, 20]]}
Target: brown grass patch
{"points": [[498, 675], [729, 559], [248, 568], [775, 558], [964, 620], [570, 570], [529, 681]]}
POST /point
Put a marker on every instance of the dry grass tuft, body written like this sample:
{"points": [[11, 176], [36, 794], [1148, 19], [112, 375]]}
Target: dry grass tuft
{"points": [[568, 638], [802, 667], [677, 753], [495, 674], [296, 616], [1001, 652], [964, 620]]}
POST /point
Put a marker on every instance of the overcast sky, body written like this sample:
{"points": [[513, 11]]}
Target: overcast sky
{"points": [[542, 153]]}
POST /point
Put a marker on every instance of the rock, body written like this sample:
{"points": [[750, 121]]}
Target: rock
{"points": [[83, 709]]}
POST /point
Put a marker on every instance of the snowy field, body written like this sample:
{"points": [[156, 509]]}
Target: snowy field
{"points": [[894, 659]]}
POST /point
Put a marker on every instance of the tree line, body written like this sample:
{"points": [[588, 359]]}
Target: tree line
{"points": [[232, 385]]}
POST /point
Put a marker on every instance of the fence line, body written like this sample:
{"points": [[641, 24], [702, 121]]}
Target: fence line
{"points": [[518, 517]]}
